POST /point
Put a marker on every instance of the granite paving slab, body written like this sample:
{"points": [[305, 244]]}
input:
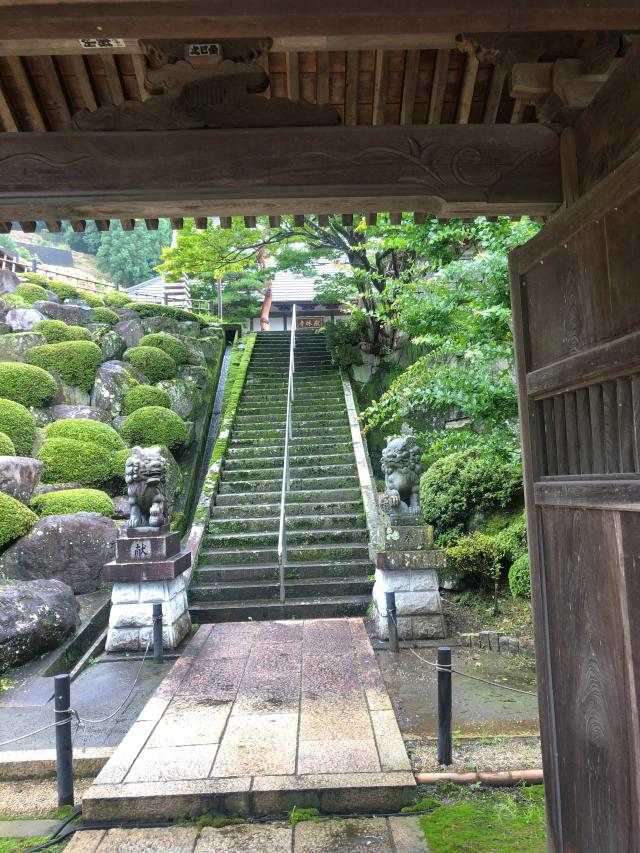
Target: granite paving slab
{"points": [[256, 718]]}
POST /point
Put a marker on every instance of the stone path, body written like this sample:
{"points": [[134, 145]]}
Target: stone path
{"points": [[353, 835], [256, 718]]}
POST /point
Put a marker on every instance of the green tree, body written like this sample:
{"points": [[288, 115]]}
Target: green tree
{"points": [[130, 257]]}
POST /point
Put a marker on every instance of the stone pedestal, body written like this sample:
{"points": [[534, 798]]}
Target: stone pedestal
{"points": [[148, 568], [407, 564]]}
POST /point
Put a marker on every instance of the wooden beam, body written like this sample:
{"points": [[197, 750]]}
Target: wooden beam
{"points": [[438, 85], [468, 86], [54, 226], [419, 218], [395, 218], [253, 18], [379, 87], [323, 220], [298, 220], [293, 78], [7, 119], [57, 107], [201, 223], [79, 225], [372, 218], [83, 82], [494, 95], [140, 70], [347, 220], [112, 76], [152, 224], [569, 166], [519, 106], [322, 77], [380, 41], [226, 222], [409, 86], [274, 221], [5, 227], [35, 121], [64, 47], [177, 223], [263, 62], [102, 224], [128, 224], [29, 227], [250, 222], [351, 88], [448, 170]]}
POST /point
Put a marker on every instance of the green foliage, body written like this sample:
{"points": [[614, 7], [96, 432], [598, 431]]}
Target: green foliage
{"points": [[105, 315], [511, 541], [169, 344], [19, 424], [154, 425], [520, 578], [26, 383], [31, 293], [63, 290], [116, 299], [67, 460], [7, 447], [55, 331], [152, 362], [145, 395], [118, 463], [300, 815], [69, 501], [474, 554], [148, 309], [15, 519], [93, 300], [130, 257], [459, 484], [75, 361], [83, 429], [342, 341]]}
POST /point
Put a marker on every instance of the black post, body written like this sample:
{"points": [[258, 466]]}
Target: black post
{"points": [[157, 631], [392, 621], [219, 289], [210, 306], [444, 705], [64, 749]]}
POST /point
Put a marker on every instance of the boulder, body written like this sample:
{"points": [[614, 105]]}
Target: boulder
{"points": [[53, 297], [183, 399], [209, 346], [126, 313], [196, 352], [73, 315], [68, 410], [121, 506], [194, 374], [56, 487], [160, 324], [112, 345], [9, 281], [117, 422], [13, 347], [35, 617], [113, 380], [5, 328], [68, 394], [130, 330], [23, 319], [190, 328], [38, 441], [42, 416], [19, 475], [71, 548]]}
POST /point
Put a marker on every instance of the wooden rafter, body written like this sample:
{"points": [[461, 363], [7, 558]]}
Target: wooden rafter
{"points": [[52, 96], [322, 77], [379, 87], [438, 86], [409, 86], [140, 70], [83, 82], [112, 76], [351, 88], [7, 118], [492, 104], [293, 77], [152, 224], [468, 86], [30, 107]]}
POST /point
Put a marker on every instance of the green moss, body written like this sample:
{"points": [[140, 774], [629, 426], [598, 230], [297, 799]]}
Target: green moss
{"points": [[28, 384], [116, 299], [55, 331], [7, 447], [155, 364], [154, 425], [145, 395], [216, 822], [93, 300], [15, 519], [19, 424], [63, 290], [148, 309], [520, 578], [83, 429], [75, 361], [31, 293], [118, 463], [105, 315], [169, 344], [67, 460], [24, 845], [298, 815], [69, 501]]}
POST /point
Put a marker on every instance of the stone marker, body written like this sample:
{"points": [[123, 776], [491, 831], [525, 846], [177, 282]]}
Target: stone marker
{"points": [[149, 565]]}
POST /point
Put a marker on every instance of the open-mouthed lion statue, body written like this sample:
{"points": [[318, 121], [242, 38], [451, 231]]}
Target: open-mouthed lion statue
{"points": [[401, 467], [145, 473]]}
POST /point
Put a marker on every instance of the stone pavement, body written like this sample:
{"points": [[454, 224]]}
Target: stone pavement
{"points": [[256, 718], [352, 835]]}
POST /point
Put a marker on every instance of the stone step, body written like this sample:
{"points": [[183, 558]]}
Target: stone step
{"points": [[275, 434], [279, 390], [249, 590], [279, 419], [264, 609], [302, 484], [294, 510], [297, 472], [213, 573], [269, 523], [276, 461], [306, 536], [268, 408], [303, 496], [299, 444], [296, 553]]}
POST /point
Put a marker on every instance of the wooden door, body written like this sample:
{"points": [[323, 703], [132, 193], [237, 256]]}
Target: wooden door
{"points": [[576, 301]]}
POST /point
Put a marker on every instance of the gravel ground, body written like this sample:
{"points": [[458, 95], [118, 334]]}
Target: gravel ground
{"points": [[34, 797], [488, 754]]}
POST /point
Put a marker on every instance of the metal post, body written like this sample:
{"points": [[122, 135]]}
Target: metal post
{"points": [[392, 622], [444, 705], [166, 298], [219, 287], [157, 632], [64, 748], [211, 307], [34, 265]]}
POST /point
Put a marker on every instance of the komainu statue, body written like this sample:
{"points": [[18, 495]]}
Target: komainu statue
{"points": [[145, 473], [401, 468]]}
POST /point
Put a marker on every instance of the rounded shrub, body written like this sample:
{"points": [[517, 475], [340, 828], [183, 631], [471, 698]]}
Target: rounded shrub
{"points": [[15, 519], [67, 460], [63, 290], [145, 395], [512, 539], [167, 343], [93, 300], [68, 501], [149, 309], [119, 462], [31, 293], [520, 578], [475, 554], [105, 315], [28, 384], [75, 361], [7, 447], [152, 362], [36, 278], [84, 429], [55, 331], [19, 424], [116, 299], [154, 425]]}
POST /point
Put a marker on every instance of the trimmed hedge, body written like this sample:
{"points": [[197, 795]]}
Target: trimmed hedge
{"points": [[520, 578], [75, 361], [148, 309], [84, 429], [116, 299], [63, 290], [28, 384], [169, 344], [19, 424], [154, 425], [68, 501], [31, 293], [105, 315], [67, 460], [474, 554], [7, 447], [145, 395], [93, 300], [152, 362], [55, 331], [15, 519]]}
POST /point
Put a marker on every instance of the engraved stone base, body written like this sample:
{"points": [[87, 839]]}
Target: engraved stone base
{"points": [[418, 605], [131, 617]]}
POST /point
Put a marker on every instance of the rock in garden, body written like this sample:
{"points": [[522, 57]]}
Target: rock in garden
{"points": [[113, 380], [56, 487], [181, 394], [160, 324], [121, 507], [9, 281], [190, 328], [71, 548], [69, 395], [68, 410], [13, 347], [73, 315], [209, 345], [35, 617], [130, 330], [23, 319], [19, 475], [194, 374], [112, 345], [53, 297]]}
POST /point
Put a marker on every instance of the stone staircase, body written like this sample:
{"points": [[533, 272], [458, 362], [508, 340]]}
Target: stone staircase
{"points": [[328, 568]]}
